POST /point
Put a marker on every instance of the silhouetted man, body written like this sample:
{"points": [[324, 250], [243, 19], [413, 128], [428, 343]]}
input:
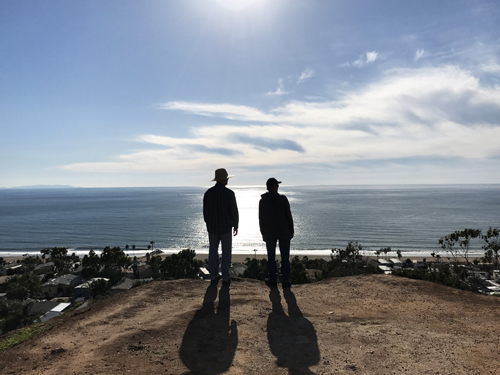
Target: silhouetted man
{"points": [[276, 224], [220, 213]]}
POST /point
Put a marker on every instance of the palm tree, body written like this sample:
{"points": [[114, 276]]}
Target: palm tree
{"points": [[377, 253], [386, 250], [152, 244]]}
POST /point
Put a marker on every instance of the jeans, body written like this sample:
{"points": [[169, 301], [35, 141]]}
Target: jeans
{"points": [[272, 271], [226, 241]]}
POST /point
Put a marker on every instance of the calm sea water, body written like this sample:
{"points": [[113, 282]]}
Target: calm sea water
{"points": [[409, 218]]}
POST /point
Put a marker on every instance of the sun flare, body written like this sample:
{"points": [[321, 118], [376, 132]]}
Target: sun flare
{"points": [[239, 5]]}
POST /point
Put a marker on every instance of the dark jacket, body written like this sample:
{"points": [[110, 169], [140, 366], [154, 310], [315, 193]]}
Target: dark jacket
{"points": [[275, 217], [220, 210]]}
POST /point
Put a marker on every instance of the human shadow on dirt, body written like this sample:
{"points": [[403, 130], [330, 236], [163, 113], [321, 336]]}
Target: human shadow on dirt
{"points": [[210, 340], [292, 338]]}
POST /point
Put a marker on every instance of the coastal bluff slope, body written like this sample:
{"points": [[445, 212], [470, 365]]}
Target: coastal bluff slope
{"points": [[373, 324]]}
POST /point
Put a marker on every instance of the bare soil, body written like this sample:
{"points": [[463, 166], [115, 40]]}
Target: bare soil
{"points": [[375, 324]]}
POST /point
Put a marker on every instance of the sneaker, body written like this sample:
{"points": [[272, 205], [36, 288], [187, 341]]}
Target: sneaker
{"points": [[226, 281], [286, 284]]}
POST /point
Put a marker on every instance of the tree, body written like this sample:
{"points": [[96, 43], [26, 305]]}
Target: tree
{"points": [[152, 244], [408, 263], [22, 287], [113, 261], [398, 252], [100, 288], [458, 243], [91, 265], [298, 273], [347, 262], [492, 246], [30, 262], [59, 255], [377, 253], [181, 266], [385, 250], [135, 267], [176, 266], [16, 314], [256, 269]]}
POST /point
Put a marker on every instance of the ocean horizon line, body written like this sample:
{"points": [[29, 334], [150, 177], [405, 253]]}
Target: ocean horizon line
{"points": [[62, 187]]}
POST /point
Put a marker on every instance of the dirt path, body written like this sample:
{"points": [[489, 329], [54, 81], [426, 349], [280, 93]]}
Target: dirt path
{"points": [[355, 325]]}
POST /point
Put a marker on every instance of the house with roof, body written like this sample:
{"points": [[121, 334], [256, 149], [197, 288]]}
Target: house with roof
{"points": [[49, 309], [60, 286], [44, 268], [13, 269], [83, 290], [123, 285]]}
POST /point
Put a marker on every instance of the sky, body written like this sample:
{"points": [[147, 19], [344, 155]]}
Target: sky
{"points": [[122, 93]]}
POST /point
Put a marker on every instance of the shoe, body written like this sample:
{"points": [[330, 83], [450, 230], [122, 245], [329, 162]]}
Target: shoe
{"points": [[271, 283], [226, 281], [286, 284], [215, 280]]}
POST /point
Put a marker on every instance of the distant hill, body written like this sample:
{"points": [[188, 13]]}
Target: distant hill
{"points": [[45, 187], [373, 324]]}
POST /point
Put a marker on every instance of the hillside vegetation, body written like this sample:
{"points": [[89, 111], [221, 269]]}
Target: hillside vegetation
{"points": [[369, 324]]}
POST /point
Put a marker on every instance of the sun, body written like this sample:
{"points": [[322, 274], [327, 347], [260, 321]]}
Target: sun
{"points": [[239, 5]]}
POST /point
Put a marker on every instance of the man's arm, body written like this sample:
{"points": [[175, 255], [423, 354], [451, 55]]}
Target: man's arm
{"points": [[289, 217], [235, 214], [204, 207], [261, 219]]}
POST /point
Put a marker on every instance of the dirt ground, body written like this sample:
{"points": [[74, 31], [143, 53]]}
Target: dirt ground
{"points": [[377, 324]]}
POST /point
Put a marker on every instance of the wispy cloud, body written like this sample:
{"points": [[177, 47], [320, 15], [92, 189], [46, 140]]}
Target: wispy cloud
{"points": [[419, 54], [306, 74], [490, 67], [366, 59], [407, 115], [279, 90]]}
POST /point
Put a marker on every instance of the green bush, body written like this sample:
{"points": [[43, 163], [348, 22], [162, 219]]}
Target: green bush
{"points": [[256, 269]]}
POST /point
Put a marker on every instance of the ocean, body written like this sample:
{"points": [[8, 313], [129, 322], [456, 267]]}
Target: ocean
{"points": [[409, 218]]}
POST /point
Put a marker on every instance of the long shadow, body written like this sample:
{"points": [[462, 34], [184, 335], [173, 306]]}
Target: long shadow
{"points": [[210, 340], [292, 338]]}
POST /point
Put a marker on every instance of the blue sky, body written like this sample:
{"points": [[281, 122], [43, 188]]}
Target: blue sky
{"points": [[161, 93]]}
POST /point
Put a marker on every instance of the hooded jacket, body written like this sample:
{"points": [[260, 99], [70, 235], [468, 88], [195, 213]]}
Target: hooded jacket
{"points": [[275, 217]]}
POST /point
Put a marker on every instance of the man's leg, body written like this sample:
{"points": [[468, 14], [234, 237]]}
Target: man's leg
{"points": [[227, 242], [213, 255], [285, 259], [272, 271]]}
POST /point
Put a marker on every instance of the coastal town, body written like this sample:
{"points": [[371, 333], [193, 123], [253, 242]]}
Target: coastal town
{"points": [[42, 287]]}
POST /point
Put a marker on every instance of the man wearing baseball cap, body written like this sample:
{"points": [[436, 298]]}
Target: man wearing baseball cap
{"points": [[220, 213], [276, 225]]}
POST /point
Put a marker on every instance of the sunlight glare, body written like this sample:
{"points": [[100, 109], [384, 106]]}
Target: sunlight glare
{"points": [[238, 5], [249, 236]]}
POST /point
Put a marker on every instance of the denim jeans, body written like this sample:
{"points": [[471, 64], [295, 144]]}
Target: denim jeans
{"points": [[226, 241], [272, 271]]}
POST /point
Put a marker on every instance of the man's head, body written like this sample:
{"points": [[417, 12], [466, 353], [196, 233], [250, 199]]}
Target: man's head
{"points": [[272, 184], [221, 176]]}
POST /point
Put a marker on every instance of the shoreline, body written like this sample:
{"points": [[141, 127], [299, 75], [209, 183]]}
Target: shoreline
{"points": [[240, 256]]}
